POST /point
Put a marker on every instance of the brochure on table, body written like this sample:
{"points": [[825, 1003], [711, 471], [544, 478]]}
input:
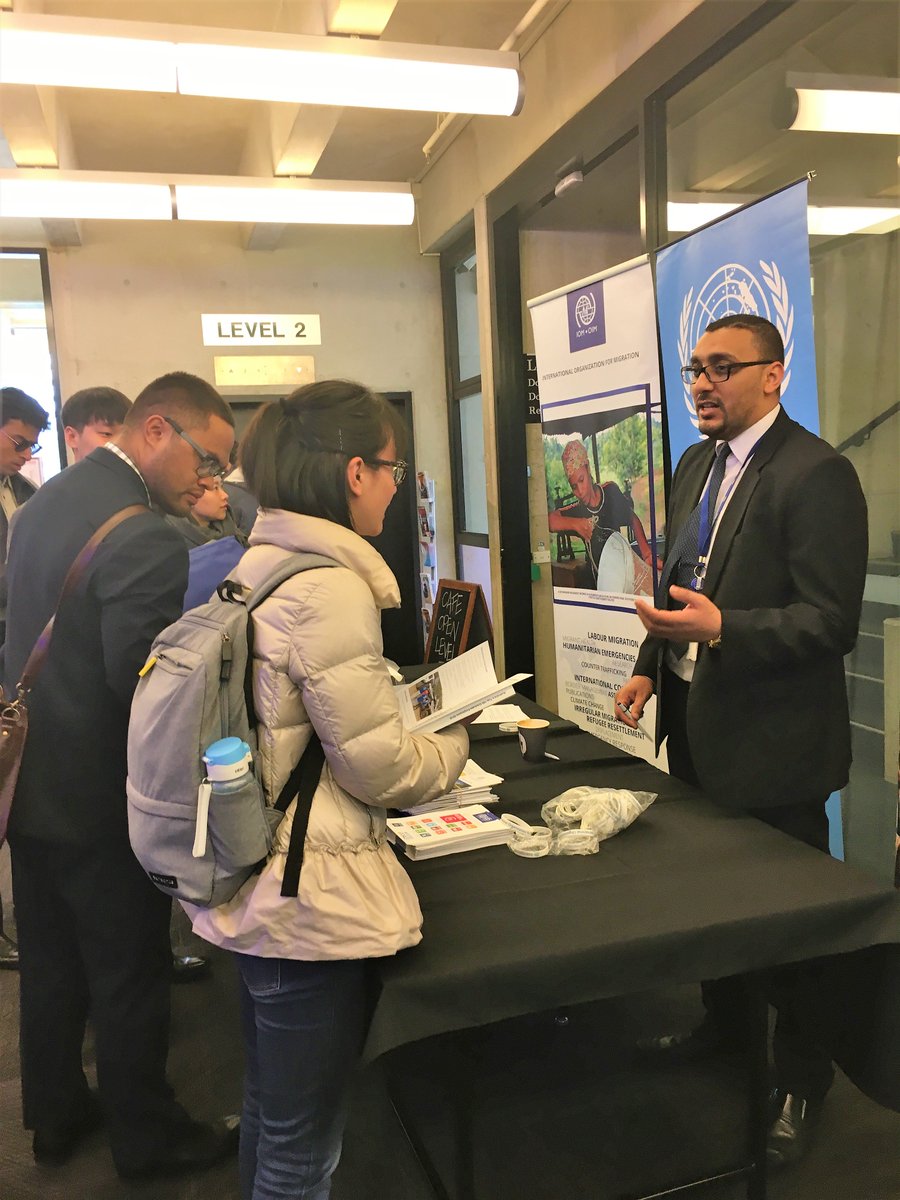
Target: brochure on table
{"points": [[448, 832], [453, 691], [473, 787]]}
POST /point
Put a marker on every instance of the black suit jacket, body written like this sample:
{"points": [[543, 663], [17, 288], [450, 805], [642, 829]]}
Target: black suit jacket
{"points": [[23, 489], [767, 715], [72, 783]]}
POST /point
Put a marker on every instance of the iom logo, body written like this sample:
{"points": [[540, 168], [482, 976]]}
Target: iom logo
{"points": [[587, 318], [585, 309], [735, 288]]}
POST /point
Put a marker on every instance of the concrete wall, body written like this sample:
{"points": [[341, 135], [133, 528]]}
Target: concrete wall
{"points": [[127, 308], [585, 49]]}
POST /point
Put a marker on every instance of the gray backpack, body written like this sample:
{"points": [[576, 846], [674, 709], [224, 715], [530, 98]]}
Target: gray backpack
{"points": [[195, 688]]}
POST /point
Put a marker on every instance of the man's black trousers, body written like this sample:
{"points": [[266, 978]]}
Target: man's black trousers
{"points": [[94, 944], [803, 994]]}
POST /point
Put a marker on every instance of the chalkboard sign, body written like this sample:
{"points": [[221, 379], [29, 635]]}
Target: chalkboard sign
{"points": [[461, 621]]}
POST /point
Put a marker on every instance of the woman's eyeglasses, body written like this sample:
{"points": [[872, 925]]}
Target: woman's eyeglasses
{"points": [[398, 467]]}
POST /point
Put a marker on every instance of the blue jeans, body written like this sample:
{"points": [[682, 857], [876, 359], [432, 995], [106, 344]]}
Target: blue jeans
{"points": [[304, 1025]]}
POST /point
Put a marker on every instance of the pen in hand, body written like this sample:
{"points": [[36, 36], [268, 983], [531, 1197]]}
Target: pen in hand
{"points": [[640, 728]]}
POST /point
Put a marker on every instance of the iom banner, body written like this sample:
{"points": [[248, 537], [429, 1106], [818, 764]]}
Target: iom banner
{"points": [[598, 379], [755, 260]]}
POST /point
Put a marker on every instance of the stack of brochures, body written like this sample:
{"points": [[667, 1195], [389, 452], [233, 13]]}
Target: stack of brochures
{"points": [[473, 787], [448, 831]]}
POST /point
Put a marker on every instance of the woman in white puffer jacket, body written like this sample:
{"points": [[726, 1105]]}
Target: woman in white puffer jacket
{"points": [[323, 464]]}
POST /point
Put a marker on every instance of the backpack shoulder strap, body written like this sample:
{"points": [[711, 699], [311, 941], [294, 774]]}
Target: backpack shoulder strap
{"points": [[291, 566]]}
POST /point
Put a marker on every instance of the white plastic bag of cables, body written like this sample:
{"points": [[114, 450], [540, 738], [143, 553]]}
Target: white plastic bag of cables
{"points": [[602, 811]]}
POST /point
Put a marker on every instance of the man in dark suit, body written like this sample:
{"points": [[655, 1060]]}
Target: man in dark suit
{"points": [[90, 418], [768, 545], [21, 422], [93, 931]]}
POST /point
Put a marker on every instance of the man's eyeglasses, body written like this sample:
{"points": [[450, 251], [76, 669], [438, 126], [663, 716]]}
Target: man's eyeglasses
{"points": [[721, 371], [20, 444], [398, 467], [209, 467]]}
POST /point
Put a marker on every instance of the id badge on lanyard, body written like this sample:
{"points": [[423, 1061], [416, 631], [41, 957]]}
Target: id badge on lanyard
{"points": [[709, 522]]}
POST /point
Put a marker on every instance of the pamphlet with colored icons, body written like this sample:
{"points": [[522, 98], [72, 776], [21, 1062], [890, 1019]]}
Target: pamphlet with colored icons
{"points": [[448, 831]]}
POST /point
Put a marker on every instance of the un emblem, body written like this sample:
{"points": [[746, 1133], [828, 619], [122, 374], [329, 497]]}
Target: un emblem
{"points": [[585, 309], [734, 288]]}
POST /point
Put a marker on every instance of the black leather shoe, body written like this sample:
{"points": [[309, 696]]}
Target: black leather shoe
{"points": [[188, 967], [700, 1044], [192, 1147], [54, 1145], [9, 954], [791, 1132]]}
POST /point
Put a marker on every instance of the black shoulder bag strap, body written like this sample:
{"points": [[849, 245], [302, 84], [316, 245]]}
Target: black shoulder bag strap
{"points": [[302, 783]]}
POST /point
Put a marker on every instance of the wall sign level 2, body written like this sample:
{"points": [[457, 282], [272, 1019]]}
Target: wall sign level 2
{"points": [[261, 329]]}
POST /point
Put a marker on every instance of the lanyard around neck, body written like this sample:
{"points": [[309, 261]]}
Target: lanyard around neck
{"points": [[708, 524]]}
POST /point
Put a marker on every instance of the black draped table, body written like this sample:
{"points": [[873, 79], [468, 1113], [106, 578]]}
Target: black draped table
{"points": [[688, 892]]}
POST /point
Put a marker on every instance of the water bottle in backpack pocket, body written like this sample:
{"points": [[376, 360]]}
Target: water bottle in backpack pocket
{"points": [[226, 797]]}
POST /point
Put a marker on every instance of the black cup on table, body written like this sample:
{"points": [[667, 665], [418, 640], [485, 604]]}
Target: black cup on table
{"points": [[533, 738]]}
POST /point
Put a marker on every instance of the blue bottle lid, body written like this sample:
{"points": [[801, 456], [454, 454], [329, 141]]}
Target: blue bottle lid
{"points": [[226, 751]]}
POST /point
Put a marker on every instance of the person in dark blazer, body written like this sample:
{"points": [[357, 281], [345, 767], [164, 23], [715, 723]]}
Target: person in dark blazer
{"points": [[93, 930], [21, 422], [759, 602]]}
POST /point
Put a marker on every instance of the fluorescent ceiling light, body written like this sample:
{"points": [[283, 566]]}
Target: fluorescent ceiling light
{"points": [[836, 220], [48, 195], [847, 112], [299, 69], [66, 55], [683, 216], [304, 202], [832, 220], [107, 195], [843, 104], [360, 80]]}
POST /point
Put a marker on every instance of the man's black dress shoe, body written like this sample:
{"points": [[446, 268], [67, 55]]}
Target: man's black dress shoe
{"points": [[9, 954], [54, 1145], [791, 1132], [188, 967], [192, 1147], [700, 1044]]}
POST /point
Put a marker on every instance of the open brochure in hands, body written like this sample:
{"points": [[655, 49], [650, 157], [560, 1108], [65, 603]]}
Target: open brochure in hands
{"points": [[449, 831], [453, 691], [473, 787]]}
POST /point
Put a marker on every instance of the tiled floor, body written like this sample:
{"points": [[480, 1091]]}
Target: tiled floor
{"points": [[561, 1114]]}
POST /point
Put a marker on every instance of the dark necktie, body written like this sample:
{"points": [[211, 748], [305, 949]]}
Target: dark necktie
{"points": [[682, 560], [687, 544]]}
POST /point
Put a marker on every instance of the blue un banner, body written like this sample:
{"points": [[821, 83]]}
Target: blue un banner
{"points": [[755, 260]]}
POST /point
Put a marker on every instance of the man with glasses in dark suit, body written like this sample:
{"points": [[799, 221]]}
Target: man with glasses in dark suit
{"points": [[93, 930], [759, 602], [22, 421]]}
